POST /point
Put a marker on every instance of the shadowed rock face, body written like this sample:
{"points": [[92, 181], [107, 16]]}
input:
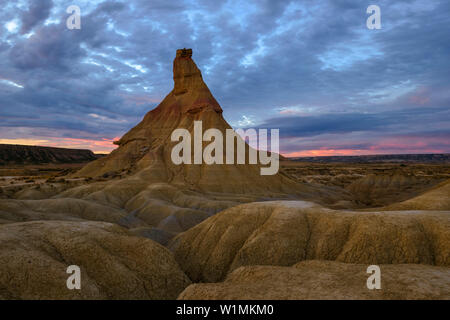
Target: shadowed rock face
{"points": [[114, 264], [325, 280], [284, 232], [437, 198]]}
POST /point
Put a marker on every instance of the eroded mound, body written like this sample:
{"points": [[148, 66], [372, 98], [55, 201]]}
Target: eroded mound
{"points": [[159, 205], [34, 257], [437, 198], [325, 280], [285, 232], [377, 190], [57, 209], [372, 185]]}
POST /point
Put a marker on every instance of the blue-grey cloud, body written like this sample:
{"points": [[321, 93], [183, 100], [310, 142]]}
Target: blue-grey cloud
{"points": [[397, 121], [310, 68], [37, 12]]}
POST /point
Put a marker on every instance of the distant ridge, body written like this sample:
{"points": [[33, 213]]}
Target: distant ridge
{"points": [[11, 154], [410, 158]]}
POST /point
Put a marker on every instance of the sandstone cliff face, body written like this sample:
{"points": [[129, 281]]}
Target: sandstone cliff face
{"points": [[285, 232], [34, 257], [145, 150], [155, 192], [18, 154], [325, 280]]}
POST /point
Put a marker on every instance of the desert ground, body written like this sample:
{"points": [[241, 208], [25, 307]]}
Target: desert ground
{"points": [[282, 249], [359, 185], [141, 227]]}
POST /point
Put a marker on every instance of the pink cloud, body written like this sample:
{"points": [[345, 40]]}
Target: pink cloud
{"points": [[419, 97], [392, 145], [324, 152]]}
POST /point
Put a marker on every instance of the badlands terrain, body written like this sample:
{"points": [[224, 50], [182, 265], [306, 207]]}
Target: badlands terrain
{"points": [[141, 227]]}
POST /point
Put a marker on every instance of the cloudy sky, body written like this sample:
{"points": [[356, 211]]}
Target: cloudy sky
{"points": [[310, 68]]}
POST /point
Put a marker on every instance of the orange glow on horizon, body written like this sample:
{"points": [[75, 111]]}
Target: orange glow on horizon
{"points": [[355, 152]]}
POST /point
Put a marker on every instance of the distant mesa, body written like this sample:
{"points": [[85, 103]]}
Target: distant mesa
{"points": [[19, 154]]}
